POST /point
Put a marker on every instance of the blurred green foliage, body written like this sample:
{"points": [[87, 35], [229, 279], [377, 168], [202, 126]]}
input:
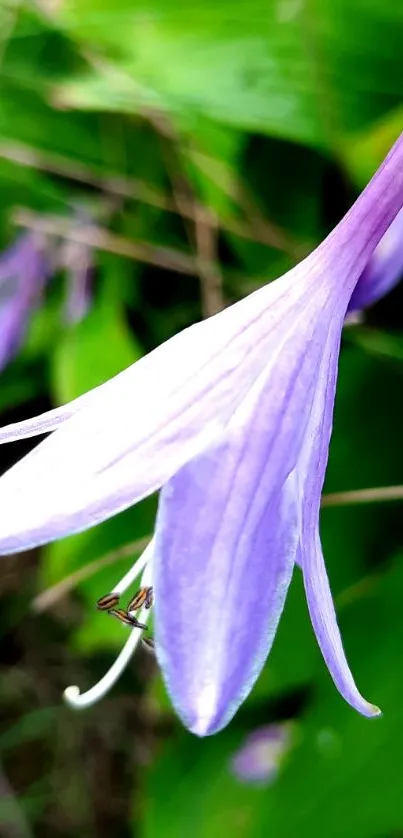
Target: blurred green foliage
{"points": [[207, 145]]}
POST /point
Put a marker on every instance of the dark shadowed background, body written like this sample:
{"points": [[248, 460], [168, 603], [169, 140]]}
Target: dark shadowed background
{"points": [[181, 153]]}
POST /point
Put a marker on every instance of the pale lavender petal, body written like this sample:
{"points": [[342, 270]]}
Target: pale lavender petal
{"points": [[324, 621], [42, 424], [349, 247], [310, 475], [132, 434], [226, 538], [223, 564], [384, 269], [258, 759]]}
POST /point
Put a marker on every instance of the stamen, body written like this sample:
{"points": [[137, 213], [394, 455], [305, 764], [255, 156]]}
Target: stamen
{"points": [[126, 618], [144, 596], [107, 602], [134, 571], [72, 694]]}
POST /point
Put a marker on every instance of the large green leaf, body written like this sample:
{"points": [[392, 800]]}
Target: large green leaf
{"points": [[292, 69], [342, 776], [345, 777]]}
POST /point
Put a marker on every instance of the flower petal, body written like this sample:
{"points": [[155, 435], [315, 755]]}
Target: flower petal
{"points": [[384, 269], [224, 560], [132, 434], [351, 244], [42, 424], [310, 475], [129, 436], [327, 632], [226, 538], [13, 261]]}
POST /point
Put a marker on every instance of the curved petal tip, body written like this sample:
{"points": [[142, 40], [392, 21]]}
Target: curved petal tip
{"points": [[372, 711], [206, 713]]}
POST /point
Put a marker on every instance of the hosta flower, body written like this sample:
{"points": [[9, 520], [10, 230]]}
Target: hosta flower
{"points": [[258, 760], [77, 260], [23, 272], [232, 419]]}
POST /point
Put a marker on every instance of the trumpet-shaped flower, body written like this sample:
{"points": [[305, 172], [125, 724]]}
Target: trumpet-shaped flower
{"points": [[23, 272], [232, 420], [77, 260], [259, 758]]}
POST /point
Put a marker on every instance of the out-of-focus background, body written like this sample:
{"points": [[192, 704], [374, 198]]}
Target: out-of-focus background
{"points": [[160, 159]]}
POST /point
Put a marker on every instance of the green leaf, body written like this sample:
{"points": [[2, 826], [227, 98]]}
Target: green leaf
{"points": [[365, 152], [191, 791], [346, 773], [91, 352], [342, 775], [385, 345], [271, 67], [33, 725], [60, 559]]}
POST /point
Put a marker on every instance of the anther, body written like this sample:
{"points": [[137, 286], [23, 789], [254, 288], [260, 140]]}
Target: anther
{"points": [[72, 694], [143, 597], [126, 618], [107, 602]]}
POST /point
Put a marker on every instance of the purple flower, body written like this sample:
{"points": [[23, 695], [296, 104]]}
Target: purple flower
{"points": [[23, 272], [232, 418], [79, 295], [258, 759], [77, 259], [383, 270]]}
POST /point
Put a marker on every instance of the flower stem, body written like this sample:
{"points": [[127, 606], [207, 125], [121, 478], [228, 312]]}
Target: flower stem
{"points": [[358, 496]]}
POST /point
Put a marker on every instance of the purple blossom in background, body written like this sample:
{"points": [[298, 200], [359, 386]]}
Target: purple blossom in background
{"points": [[232, 419], [384, 269], [77, 260], [258, 759], [23, 273], [79, 296]]}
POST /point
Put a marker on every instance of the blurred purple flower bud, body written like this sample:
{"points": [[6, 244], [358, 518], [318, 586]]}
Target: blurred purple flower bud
{"points": [[232, 419], [383, 270], [258, 759], [23, 273], [77, 260]]}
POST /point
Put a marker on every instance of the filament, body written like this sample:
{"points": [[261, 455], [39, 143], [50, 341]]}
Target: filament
{"points": [[135, 571], [72, 694]]}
